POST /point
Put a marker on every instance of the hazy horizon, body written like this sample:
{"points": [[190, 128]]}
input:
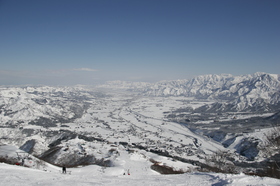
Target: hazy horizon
{"points": [[69, 42]]}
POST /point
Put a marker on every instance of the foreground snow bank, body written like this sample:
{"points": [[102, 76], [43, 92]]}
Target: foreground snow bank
{"points": [[94, 175]]}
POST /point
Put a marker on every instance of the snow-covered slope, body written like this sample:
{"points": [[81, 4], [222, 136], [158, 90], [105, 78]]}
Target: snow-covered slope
{"points": [[93, 175], [31, 103], [138, 173], [130, 168]]}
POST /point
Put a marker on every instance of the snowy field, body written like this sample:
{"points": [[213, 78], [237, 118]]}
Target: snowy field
{"points": [[92, 175], [130, 169]]}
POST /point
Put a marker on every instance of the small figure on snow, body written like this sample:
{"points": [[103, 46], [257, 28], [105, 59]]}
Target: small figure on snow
{"points": [[64, 170]]}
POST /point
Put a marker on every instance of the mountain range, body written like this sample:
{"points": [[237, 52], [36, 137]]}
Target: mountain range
{"points": [[253, 92]]}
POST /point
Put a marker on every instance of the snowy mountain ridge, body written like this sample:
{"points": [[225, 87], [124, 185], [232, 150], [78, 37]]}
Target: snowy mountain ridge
{"points": [[244, 92]]}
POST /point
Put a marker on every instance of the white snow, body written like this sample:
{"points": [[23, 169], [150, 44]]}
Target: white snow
{"points": [[136, 164], [94, 175]]}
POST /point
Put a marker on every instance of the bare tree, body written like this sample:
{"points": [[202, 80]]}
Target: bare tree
{"points": [[271, 145], [221, 160]]}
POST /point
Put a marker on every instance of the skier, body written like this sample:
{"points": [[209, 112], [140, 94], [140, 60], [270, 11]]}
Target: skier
{"points": [[22, 162], [64, 170]]}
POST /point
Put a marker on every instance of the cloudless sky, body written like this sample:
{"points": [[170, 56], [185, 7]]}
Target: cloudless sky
{"points": [[67, 42]]}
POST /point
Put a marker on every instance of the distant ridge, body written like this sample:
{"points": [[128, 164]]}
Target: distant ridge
{"points": [[259, 90]]}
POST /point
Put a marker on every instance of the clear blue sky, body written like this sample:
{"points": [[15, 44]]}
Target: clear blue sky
{"points": [[67, 42]]}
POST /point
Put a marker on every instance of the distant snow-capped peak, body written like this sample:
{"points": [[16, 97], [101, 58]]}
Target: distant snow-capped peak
{"points": [[243, 90]]}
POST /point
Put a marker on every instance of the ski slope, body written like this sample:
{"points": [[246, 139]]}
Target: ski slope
{"points": [[93, 175], [136, 164]]}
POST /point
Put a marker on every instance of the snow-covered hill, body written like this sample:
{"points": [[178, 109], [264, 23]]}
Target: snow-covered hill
{"points": [[139, 173], [92, 175]]}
